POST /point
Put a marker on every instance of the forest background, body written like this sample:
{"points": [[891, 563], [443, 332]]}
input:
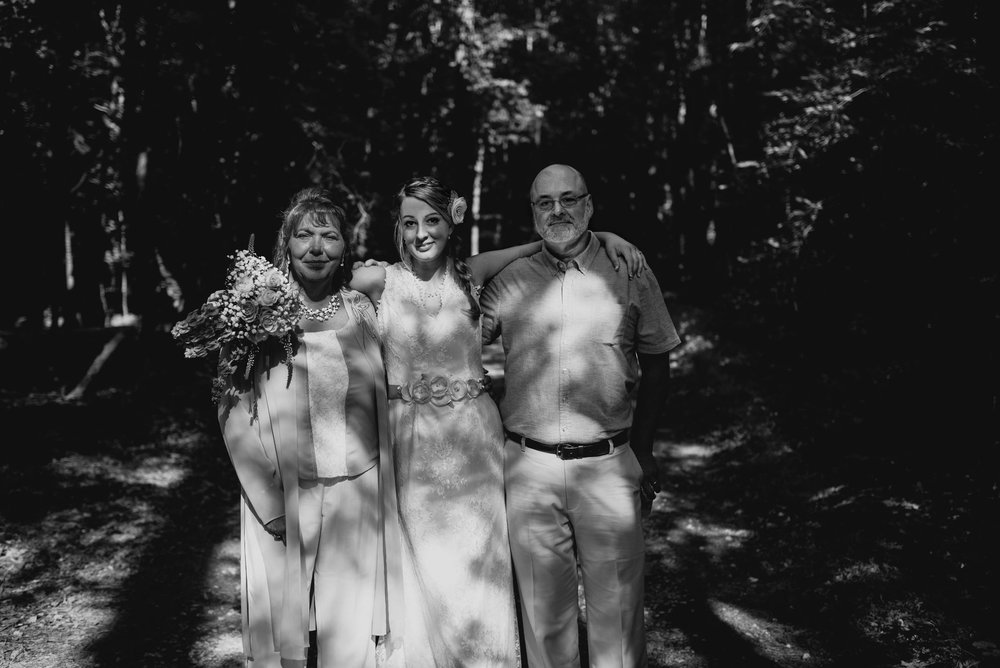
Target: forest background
{"points": [[818, 176], [826, 168]]}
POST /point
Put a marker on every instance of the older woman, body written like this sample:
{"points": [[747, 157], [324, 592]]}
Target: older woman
{"points": [[318, 492]]}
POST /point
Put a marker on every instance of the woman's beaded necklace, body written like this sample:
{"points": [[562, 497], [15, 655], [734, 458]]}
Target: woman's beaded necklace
{"points": [[321, 314], [426, 295]]}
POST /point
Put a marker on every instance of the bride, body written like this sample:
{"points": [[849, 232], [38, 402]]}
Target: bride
{"points": [[447, 437]]}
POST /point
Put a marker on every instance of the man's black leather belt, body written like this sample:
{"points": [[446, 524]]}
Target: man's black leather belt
{"points": [[573, 450]]}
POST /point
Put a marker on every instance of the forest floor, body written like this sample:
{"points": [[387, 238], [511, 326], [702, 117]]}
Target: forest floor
{"points": [[119, 532]]}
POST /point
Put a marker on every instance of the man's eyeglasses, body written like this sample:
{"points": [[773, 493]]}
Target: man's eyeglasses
{"points": [[566, 202]]}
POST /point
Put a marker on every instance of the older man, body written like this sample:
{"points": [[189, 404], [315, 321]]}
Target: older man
{"points": [[579, 470]]}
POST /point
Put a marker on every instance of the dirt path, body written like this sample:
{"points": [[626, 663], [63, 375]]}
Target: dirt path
{"points": [[119, 535]]}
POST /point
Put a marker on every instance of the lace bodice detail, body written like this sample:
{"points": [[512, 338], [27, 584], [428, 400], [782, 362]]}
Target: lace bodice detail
{"points": [[424, 336]]}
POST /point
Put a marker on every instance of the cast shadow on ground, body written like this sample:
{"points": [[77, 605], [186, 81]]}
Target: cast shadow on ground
{"points": [[159, 614]]}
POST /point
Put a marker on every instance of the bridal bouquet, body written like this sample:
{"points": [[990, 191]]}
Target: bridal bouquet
{"points": [[257, 305]]}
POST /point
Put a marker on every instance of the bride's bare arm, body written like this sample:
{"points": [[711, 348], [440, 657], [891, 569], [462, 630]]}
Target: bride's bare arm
{"points": [[487, 265]]}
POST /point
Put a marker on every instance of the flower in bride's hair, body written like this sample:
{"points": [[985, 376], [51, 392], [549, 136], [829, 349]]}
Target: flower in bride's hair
{"points": [[458, 207], [257, 305]]}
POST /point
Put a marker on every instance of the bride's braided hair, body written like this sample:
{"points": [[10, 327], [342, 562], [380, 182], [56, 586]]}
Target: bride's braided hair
{"points": [[439, 197]]}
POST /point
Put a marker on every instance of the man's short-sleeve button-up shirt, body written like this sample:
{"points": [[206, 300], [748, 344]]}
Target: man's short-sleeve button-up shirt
{"points": [[571, 330]]}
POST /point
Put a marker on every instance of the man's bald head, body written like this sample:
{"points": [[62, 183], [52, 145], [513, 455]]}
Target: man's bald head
{"points": [[557, 171]]}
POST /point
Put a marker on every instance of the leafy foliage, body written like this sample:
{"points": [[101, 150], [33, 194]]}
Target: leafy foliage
{"points": [[822, 166], [880, 135]]}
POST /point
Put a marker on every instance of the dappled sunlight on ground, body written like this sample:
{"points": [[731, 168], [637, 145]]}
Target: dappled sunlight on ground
{"points": [[119, 534], [16, 553], [220, 641], [765, 633], [688, 454], [715, 538], [159, 471], [219, 650], [866, 571]]}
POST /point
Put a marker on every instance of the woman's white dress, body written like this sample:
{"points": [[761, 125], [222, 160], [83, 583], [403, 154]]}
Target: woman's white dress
{"points": [[458, 593]]}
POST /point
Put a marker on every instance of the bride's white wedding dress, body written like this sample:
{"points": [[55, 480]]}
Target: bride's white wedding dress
{"points": [[457, 578]]}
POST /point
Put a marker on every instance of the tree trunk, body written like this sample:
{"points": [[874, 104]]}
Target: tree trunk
{"points": [[477, 189]]}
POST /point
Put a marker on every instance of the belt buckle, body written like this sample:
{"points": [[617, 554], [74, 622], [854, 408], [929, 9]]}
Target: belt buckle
{"points": [[565, 451]]}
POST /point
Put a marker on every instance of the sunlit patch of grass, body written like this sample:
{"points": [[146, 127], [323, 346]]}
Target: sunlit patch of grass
{"points": [[102, 573], [184, 438], [902, 504], [13, 556], [694, 526], [688, 455], [867, 571], [222, 573], [827, 493], [219, 649], [162, 471], [716, 539], [742, 621], [918, 635], [691, 450], [67, 613], [669, 647], [220, 640], [771, 637]]}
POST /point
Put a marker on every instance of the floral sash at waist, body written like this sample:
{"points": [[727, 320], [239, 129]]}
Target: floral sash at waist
{"points": [[439, 390]]}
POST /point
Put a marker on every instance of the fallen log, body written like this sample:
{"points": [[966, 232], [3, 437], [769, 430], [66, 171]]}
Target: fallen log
{"points": [[95, 367]]}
